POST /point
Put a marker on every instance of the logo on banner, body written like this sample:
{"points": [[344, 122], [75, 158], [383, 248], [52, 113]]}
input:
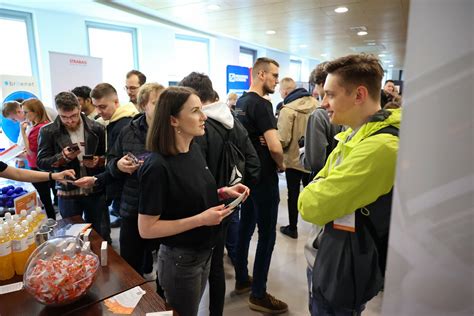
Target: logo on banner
{"points": [[79, 62], [10, 83], [238, 78]]}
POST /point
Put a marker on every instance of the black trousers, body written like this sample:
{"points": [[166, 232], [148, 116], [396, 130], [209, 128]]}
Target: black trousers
{"points": [[217, 275], [44, 191], [133, 248], [293, 179]]}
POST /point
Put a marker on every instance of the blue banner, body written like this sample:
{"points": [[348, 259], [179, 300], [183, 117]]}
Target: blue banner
{"points": [[238, 79]]}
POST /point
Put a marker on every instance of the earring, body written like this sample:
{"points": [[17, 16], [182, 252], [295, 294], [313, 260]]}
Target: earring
{"points": [[178, 130]]}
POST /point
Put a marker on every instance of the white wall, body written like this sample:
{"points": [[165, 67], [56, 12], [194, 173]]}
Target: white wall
{"points": [[66, 33]]}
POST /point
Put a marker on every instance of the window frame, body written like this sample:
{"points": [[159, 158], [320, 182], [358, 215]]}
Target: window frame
{"points": [[27, 17], [249, 51], [300, 63], [117, 28]]}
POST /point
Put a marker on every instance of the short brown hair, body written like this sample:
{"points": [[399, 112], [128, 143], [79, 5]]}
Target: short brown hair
{"points": [[160, 136], [262, 64], [36, 106], [319, 74], [66, 101], [10, 108], [287, 83], [145, 92], [139, 74], [358, 69], [103, 90]]}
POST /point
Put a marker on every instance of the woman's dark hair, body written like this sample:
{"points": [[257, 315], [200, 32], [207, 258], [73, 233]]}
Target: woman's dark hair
{"points": [[160, 136]]}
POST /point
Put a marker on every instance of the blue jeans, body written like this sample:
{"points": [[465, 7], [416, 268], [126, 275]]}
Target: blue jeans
{"points": [[94, 208], [260, 209], [183, 275]]}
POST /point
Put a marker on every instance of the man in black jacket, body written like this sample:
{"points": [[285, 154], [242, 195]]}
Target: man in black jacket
{"points": [[220, 121], [132, 140], [105, 99], [73, 141]]}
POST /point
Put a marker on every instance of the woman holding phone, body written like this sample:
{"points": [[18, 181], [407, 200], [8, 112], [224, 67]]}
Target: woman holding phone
{"points": [[179, 199], [35, 114]]}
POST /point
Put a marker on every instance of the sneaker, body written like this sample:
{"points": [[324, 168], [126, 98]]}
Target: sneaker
{"points": [[243, 287], [150, 276], [286, 230], [267, 304]]}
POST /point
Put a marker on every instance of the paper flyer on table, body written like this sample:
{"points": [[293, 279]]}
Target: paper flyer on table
{"points": [[125, 303]]}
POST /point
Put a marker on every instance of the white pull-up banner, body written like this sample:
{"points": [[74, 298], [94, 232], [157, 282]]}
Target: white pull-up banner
{"points": [[69, 71]]}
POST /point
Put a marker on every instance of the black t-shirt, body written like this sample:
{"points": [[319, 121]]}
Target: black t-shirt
{"points": [[177, 187], [3, 166], [256, 115]]}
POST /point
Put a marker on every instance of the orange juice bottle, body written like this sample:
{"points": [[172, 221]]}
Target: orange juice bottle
{"points": [[31, 223], [23, 214], [41, 216], [6, 258], [30, 237], [20, 250]]}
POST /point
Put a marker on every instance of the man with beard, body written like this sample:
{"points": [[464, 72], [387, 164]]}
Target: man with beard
{"points": [[261, 209], [135, 79], [68, 143]]}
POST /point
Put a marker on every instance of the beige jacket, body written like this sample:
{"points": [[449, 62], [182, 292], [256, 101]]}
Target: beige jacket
{"points": [[292, 123]]}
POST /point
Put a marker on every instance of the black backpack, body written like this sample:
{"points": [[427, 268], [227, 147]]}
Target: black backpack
{"points": [[231, 167]]}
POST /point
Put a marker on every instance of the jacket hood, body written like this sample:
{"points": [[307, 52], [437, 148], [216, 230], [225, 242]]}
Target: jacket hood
{"points": [[304, 104], [220, 112], [126, 110], [379, 120], [296, 94]]}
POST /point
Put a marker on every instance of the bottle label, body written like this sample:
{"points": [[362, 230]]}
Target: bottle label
{"points": [[19, 245], [31, 239], [5, 248]]}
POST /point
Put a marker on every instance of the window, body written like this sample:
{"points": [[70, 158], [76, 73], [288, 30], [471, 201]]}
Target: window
{"points": [[18, 53], [247, 57], [295, 70], [192, 54], [117, 46]]}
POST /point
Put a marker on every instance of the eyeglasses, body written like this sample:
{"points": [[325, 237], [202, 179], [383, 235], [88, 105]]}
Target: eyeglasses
{"points": [[131, 88], [70, 117]]}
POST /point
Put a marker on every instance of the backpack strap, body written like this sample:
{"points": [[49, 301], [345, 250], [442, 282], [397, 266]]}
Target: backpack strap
{"points": [[392, 130]]}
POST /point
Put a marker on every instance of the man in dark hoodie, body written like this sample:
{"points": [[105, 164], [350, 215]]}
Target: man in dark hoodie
{"points": [[298, 104], [220, 121]]}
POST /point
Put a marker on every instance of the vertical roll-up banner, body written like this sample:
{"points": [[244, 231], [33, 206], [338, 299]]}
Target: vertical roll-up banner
{"points": [[69, 71], [430, 267]]}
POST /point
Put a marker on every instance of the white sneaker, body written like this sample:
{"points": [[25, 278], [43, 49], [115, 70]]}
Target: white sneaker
{"points": [[150, 276]]}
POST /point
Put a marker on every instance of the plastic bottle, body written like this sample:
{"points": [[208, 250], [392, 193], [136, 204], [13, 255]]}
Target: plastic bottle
{"points": [[35, 219], [30, 237], [16, 218], [8, 229], [23, 214], [41, 215], [31, 223], [6, 257], [20, 250], [8, 216]]}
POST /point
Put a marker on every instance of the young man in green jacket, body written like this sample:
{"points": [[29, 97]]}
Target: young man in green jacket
{"points": [[351, 195]]}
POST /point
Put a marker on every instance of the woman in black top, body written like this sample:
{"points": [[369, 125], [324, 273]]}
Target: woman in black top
{"points": [[179, 199]]}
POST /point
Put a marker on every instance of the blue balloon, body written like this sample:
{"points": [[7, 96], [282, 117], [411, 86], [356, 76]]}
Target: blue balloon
{"points": [[11, 128]]}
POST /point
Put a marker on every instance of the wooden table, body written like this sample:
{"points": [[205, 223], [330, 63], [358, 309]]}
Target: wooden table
{"points": [[118, 276]]}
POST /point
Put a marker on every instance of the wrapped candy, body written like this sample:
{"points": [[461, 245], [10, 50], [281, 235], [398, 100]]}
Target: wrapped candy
{"points": [[60, 271]]}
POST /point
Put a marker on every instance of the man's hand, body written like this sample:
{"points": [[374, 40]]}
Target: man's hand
{"points": [[24, 125], [70, 154], [85, 182], [126, 165], [282, 167], [91, 163]]}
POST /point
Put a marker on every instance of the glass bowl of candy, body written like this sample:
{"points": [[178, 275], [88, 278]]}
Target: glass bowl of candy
{"points": [[60, 271]]}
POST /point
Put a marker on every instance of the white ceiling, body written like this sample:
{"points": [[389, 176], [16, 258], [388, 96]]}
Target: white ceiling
{"points": [[306, 28]]}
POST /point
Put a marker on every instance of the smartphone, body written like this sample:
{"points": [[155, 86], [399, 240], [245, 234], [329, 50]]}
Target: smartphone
{"points": [[73, 147], [133, 158], [88, 157]]}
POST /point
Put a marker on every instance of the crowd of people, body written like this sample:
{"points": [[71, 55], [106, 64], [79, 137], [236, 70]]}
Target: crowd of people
{"points": [[170, 161]]}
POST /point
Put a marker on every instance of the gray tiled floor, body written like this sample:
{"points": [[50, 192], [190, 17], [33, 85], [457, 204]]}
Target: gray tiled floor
{"points": [[287, 276]]}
